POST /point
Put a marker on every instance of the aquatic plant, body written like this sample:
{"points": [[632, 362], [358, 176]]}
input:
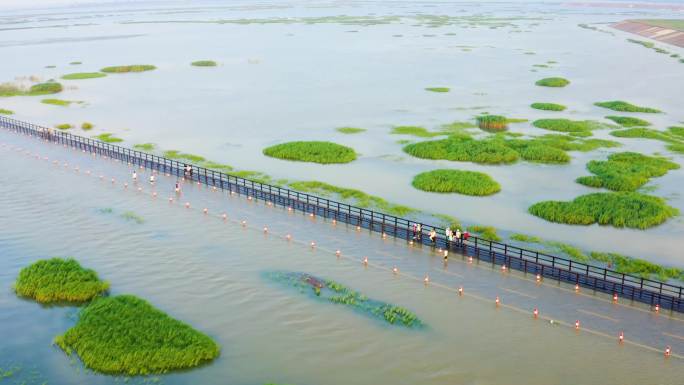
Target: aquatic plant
{"points": [[174, 154], [485, 232], [458, 181], [133, 217], [552, 82], [628, 121], [525, 238], [625, 171], [619, 209], [63, 126], [548, 106], [646, 44], [75, 63], [6, 112], [356, 197], [126, 335], [492, 122], [44, 89], [59, 280], [677, 147], [145, 146], [676, 131], [448, 221], [646, 133], [538, 151], [129, 68], [57, 102], [339, 294], [204, 63], [417, 131], [83, 75], [622, 106], [437, 89], [457, 126], [638, 267], [87, 126], [312, 151], [465, 149], [570, 251], [108, 138], [350, 130]]}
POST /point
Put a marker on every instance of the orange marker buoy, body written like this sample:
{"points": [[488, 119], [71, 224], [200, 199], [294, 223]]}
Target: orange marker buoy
{"points": [[538, 277], [576, 287], [497, 301], [311, 215], [313, 244], [214, 188], [503, 268], [289, 209], [384, 235], [244, 223], [615, 297], [365, 260], [337, 253], [288, 237], [426, 279], [668, 351], [187, 205], [535, 312], [460, 290], [577, 325], [411, 243], [657, 308], [265, 229], [358, 228], [621, 337], [470, 259], [249, 198], [224, 216], [205, 210], [395, 270]]}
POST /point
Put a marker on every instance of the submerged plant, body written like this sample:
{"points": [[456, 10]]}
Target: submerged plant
{"points": [[485, 232], [626, 171], [313, 151], [145, 146], [458, 181], [133, 217], [57, 102], [438, 89], [126, 335], [59, 280], [204, 63], [350, 130], [6, 112]]}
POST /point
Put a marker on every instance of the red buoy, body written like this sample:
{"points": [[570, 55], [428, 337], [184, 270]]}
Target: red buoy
{"points": [[577, 325], [668, 351]]}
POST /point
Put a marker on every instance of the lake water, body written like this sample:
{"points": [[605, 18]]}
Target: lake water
{"points": [[209, 272]]}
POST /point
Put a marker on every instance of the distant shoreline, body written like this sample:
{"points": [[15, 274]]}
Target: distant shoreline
{"points": [[659, 30]]}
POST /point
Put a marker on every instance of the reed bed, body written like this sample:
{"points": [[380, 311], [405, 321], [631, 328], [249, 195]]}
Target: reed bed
{"points": [[350, 130], [108, 138], [548, 106], [126, 335], [618, 209], [204, 63], [456, 181], [492, 122], [48, 88], [552, 82], [622, 106], [312, 151], [628, 121], [128, 68], [83, 75], [625, 171], [6, 112], [59, 280], [568, 126], [485, 232]]}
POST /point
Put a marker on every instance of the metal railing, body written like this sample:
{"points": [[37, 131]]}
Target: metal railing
{"points": [[595, 277]]}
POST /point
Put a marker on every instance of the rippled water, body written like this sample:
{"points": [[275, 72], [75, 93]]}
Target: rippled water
{"points": [[209, 273]]}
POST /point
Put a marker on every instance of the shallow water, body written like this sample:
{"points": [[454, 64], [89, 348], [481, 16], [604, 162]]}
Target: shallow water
{"points": [[210, 273]]}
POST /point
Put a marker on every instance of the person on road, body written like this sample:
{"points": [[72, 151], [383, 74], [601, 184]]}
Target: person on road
{"points": [[135, 175], [178, 189], [433, 236], [458, 237]]}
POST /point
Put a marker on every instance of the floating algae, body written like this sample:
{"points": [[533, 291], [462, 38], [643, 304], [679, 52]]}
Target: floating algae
{"points": [[328, 290]]}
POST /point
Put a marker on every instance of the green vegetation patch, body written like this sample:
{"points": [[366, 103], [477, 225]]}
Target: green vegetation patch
{"points": [[622, 106], [312, 151], [63, 126], [417, 131], [126, 335], [9, 89], [437, 89], [128, 68], [625, 171], [619, 209], [492, 122], [86, 126], [676, 131], [485, 232], [204, 63], [57, 102], [525, 238], [569, 126], [336, 293], [83, 75], [350, 130], [133, 217], [628, 121], [356, 197], [108, 138], [6, 112], [59, 280], [638, 267], [552, 82], [456, 181], [145, 146], [174, 154], [548, 106]]}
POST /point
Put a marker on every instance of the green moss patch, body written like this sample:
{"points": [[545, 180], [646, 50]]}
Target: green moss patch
{"points": [[438, 89], [417, 131], [622, 106], [676, 131], [63, 126], [456, 181], [628, 121], [548, 106], [620, 209], [6, 112], [646, 133], [127, 335], [552, 82], [204, 63], [108, 138], [83, 75], [86, 126], [313, 151], [59, 280], [568, 126], [173, 154], [336, 293], [9, 89], [57, 102], [128, 68], [350, 130], [485, 232], [145, 146], [492, 122], [626, 171], [638, 267]]}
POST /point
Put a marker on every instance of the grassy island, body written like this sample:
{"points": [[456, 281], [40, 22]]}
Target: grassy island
{"points": [[63, 126], [350, 130], [126, 335], [83, 75], [145, 147], [48, 88], [621, 106], [548, 106], [204, 63], [313, 151], [492, 122], [566, 125], [336, 293], [87, 126], [485, 232], [552, 82], [59, 280], [57, 102], [437, 89], [108, 138], [619, 209], [128, 68], [625, 171], [6, 112], [628, 121], [456, 181]]}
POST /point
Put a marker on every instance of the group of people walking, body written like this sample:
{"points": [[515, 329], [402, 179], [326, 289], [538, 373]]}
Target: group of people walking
{"points": [[452, 237]]}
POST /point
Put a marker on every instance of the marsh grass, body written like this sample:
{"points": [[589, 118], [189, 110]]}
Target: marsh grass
{"points": [[552, 82], [145, 146], [47, 88], [356, 197], [448, 221], [126, 335], [638, 267], [174, 154], [525, 238], [583, 127], [438, 89], [622, 106], [548, 106], [618, 209], [350, 130], [84, 75], [492, 122], [312, 151], [133, 217], [417, 131], [6, 112], [676, 131], [57, 102], [625, 171], [645, 133], [108, 138], [63, 126], [456, 181], [628, 121], [128, 68], [485, 232], [87, 126], [204, 63], [59, 280]]}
